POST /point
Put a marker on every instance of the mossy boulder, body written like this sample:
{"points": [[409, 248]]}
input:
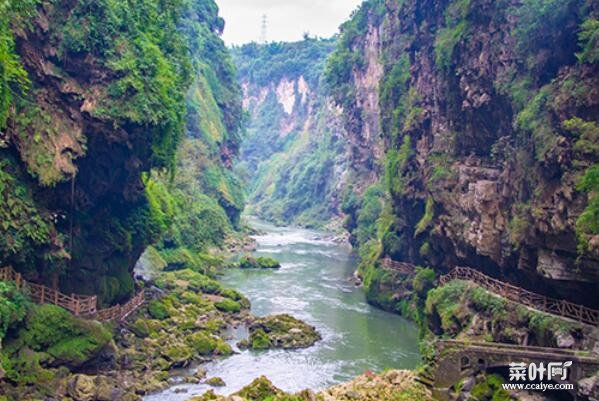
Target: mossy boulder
{"points": [[82, 387], [260, 389], [68, 340], [390, 385], [260, 262], [205, 344], [215, 382], [158, 310], [228, 305], [178, 354], [280, 331]]}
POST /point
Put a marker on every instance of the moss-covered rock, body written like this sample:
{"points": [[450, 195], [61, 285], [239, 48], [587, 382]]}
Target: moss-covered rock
{"points": [[280, 331], [215, 382], [260, 262], [58, 337], [461, 309], [228, 305], [158, 310], [394, 385]]}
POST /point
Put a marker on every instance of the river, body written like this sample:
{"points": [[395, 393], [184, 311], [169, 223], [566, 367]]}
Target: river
{"points": [[314, 285]]}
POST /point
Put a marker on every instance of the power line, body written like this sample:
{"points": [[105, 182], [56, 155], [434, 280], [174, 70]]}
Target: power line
{"points": [[264, 29]]}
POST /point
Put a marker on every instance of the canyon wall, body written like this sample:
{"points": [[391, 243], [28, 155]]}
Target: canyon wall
{"points": [[93, 111], [488, 112], [294, 155]]}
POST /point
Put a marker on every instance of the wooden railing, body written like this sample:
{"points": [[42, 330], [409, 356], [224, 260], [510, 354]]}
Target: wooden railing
{"points": [[401, 267], [519, 295], [79, 305], [120, 312]]}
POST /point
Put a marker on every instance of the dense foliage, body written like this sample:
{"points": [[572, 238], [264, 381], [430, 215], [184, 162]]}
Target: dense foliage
{"points": [[292, 146], [148, 72], [265, 64], [48, 337]]}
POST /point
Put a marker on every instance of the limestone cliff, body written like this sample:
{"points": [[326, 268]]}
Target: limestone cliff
{"points": [[488, 112], [94, 103], [294, 155]]}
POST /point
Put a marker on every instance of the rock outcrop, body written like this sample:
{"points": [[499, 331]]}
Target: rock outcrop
{"points": [[488, 112]]}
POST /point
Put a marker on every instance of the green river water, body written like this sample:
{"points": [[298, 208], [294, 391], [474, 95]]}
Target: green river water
{"points": [[314, 284]]}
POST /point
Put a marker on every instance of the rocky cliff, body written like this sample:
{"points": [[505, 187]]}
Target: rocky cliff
{"points": [[293, 157], [93, 99], [488, 113]]}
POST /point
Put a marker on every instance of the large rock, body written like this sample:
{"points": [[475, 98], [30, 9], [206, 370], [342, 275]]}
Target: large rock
{"points": [[280, 331], [82, 388]]}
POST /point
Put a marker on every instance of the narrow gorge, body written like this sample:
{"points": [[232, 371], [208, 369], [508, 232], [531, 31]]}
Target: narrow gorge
{"points": [[406, 210]]}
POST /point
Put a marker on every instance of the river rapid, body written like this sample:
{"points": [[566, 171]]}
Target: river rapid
{"points": [[314, 284]]}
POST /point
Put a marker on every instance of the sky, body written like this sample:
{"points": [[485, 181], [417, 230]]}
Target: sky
{"points": [[287, 20]]}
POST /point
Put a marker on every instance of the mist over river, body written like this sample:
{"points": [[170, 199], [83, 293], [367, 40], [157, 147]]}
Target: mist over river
{"points": [[314, 284]]}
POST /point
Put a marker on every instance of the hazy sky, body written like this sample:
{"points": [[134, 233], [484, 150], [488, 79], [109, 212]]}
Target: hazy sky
{"points": [[287, 19]]}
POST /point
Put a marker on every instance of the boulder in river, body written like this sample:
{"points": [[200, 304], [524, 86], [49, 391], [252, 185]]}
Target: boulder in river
{"points": [[215, 382], [260, 262], [280, 331]]}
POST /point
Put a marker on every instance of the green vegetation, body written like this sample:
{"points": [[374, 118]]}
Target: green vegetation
{"points": [[280, 331], [228, 305], [292, 148], [368, 214], [139, 42], [13, 307], [260, 262], [540, 28], [490, 389], [22, 224], [429, 213], [13, 78], [262, 65], [49, 336], [397, 161], [338, 74], [588, 222], [454, 31], [158, 310], [589, 39]]}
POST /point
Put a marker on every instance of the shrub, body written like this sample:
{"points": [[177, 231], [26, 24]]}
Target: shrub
{"points": [[228, 305], [260, 340], [589, 41], [454, 31], [13, 307], [261, 262], [588, 221], [158, 310], [71, 340]]}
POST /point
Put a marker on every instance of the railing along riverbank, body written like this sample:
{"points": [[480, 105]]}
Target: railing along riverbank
{"points": [[524, 297], [79, 305]]}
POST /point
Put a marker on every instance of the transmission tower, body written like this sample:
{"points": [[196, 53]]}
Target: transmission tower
{"points": [[264, 29]]}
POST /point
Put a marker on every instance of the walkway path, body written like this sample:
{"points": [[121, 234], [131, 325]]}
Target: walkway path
{"points": [[515, 294], [79, 305], [524, 297]]}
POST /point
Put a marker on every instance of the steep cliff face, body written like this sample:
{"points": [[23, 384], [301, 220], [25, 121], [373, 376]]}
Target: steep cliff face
{"points": [[294, 154], [489, 115], [98, 103]]}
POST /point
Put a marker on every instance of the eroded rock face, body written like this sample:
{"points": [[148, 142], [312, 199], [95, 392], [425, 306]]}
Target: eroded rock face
{"points": [[504, 196], [86, 165]]}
